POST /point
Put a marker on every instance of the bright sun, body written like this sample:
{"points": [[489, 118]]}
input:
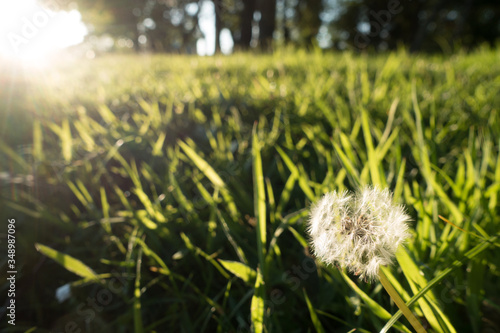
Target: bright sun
{"points": [[30, 31]]}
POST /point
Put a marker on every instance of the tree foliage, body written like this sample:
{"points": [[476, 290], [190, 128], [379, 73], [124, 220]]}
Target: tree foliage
{"points": [[173, 25], [420, 25]]}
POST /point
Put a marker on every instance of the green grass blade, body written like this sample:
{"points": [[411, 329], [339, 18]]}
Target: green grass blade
{"points": [[257, 305], [85, 135], [211, 175], [376, 308], [346, 163], [82, 198], [159, 144], [105, 209], [71, 264], [205, 255], [13, 155], [107, 115], [398, 190], [259, 201], [148, 205], [457, 263], [227, 231], [400, 303], [150, 253], [241, 270], [373, 160], [202, 165], [38, 154], [300, 176], [416, 281], [314, 317], [286, 193], [85, 192], [66, 141], [138, 326]]}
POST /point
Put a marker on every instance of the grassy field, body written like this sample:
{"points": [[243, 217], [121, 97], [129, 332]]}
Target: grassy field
{"points": [[173, 192]]}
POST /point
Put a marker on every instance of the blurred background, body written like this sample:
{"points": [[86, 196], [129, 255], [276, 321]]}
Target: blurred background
{"points": [[207, 27], [159, 158]]}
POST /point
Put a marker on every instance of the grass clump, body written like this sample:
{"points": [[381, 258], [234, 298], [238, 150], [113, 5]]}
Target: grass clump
{"points": [[178, 189]]}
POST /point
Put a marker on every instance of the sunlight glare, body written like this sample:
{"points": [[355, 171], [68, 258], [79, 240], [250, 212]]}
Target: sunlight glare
{"points": [[30, 32]]}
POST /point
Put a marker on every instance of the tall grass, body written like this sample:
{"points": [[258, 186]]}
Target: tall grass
{"points": [[189, 181]]}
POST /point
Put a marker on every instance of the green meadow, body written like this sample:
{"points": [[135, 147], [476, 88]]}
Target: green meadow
{"points": [[172, 193]]}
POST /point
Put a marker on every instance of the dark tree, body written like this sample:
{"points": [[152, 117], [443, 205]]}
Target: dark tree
{"points": [[246, 19], [308, 20], [218, 23], [166, 24], [426, 25], [267, 23]]}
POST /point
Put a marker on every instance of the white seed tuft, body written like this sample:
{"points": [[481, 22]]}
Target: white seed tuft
{"points": [[359, 231], [63, 293]]}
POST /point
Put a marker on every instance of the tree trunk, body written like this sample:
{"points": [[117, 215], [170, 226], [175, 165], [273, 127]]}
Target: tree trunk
{"points": [[246, 24], [218, 23], [267, 23], [421, 32], [463, 19]]}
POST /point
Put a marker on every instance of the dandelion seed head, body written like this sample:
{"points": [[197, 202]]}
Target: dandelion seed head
{"points": [[360, 231]]}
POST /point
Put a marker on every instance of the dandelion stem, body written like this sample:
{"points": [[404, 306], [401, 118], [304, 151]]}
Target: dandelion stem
{"points": [[400, 303]]}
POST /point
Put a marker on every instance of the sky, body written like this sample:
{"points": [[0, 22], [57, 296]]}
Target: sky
{"points": [[30, 32], [206, 46]]}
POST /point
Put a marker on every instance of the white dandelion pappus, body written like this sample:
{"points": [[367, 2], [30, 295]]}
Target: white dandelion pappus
{"points": [[359, 231], [63, 293]]}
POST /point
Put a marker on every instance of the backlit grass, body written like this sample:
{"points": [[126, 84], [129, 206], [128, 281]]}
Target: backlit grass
{"points": [[179, 188]]}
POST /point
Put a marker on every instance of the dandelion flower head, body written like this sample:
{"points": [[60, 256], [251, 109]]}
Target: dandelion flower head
{"points": [[360, 231]]}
